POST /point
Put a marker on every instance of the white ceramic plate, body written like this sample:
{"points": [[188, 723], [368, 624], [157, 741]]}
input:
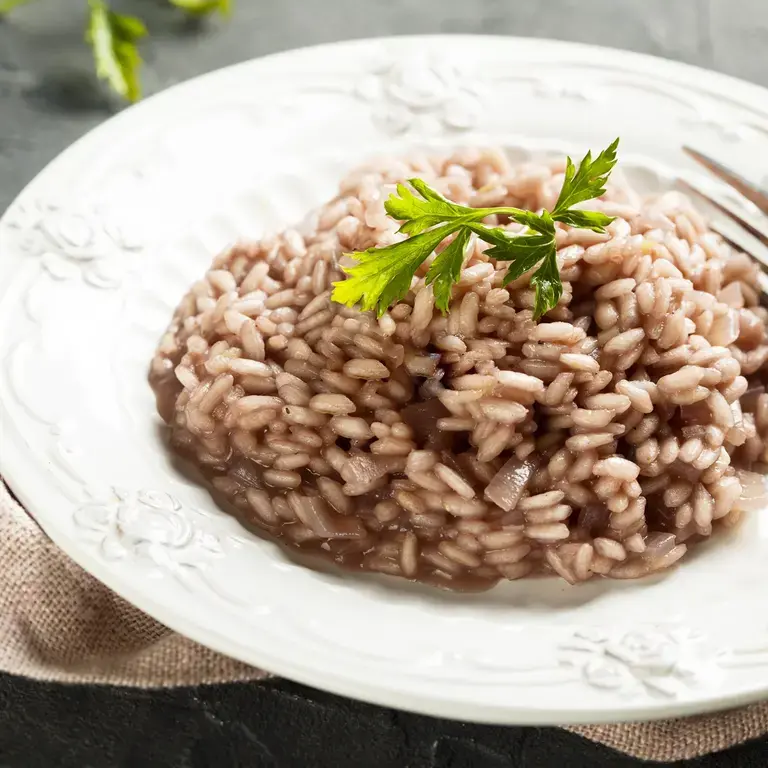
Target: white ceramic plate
{"points": [[99, 248]]}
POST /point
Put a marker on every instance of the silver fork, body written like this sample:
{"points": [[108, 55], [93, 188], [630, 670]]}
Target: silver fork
{"points": [[750, 192]]}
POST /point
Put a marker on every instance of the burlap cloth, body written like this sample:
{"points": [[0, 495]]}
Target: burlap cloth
{"points": [[58, 623]]}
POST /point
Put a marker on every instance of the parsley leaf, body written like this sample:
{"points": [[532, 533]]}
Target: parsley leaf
{"points": [[204, 7], [428, 207], [383, 275], [423, 210], [445, 270], [587, 182], [547, 284], [593, 220], [524, 252], [113, 39]]}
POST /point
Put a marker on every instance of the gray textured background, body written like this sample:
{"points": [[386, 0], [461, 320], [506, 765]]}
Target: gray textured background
{"points": [[48, 97]]}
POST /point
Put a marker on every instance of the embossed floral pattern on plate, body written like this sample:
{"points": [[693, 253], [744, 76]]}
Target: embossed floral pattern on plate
{"points": [[75, 241]]}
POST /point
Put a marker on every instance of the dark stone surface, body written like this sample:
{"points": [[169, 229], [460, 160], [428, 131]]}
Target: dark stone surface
{"points": [[275, 725], [47, 100]]}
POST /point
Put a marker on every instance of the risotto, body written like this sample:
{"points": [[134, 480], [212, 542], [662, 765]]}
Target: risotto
{"points": [[480, 445]]}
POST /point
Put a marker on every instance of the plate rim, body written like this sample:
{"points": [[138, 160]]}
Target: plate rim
{"points": [[13, 465]]}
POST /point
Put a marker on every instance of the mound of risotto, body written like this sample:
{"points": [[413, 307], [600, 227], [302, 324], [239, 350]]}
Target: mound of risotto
{"points": [[461, 449]]}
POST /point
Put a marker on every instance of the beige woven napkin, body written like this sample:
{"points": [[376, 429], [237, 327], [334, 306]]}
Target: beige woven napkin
{"points": [[58, 623]]}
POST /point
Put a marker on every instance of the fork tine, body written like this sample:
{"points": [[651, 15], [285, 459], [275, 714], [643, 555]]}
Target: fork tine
{"points": [[742, 226], [734, 215], [733, 179], [762, 274], [738, 245]]}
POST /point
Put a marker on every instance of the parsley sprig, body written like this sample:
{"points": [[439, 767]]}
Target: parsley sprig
{"points": [[382, 276], [114, 39]]}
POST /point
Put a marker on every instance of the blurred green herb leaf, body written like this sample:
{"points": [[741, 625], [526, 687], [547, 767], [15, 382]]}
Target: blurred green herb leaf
{"points": [[204, 7], [113, 38], [6, 6]]}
